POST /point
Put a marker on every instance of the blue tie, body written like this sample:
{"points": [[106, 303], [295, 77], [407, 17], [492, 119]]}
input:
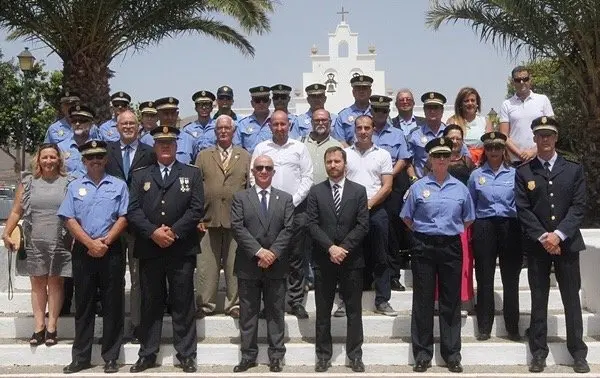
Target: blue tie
{"points": [[126, 161], [263, 202]]}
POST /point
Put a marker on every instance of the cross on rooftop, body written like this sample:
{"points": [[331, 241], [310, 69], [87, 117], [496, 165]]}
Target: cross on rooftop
{"points": [[343, 13]]}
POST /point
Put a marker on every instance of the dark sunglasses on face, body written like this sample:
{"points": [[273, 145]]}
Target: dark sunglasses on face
{"points": [[224, 98], [521, 79], [80, 120], [205, 104], [260, 168], [94, 157], [261, 100], [380, 110], [440, 156]]}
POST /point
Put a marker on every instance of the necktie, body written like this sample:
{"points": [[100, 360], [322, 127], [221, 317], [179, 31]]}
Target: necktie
{"points": [[165, 173], [126, 160], [224, 156], [263, 202], [547, 168], [337, 199]]}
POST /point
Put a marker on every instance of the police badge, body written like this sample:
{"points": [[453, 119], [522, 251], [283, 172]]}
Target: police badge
{"points": [[426, 193], [481, 180], [531, 185], [147, 186], [82, 192]]}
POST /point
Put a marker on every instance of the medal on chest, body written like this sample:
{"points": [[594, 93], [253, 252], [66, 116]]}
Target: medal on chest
{"points": [[184, 184]]}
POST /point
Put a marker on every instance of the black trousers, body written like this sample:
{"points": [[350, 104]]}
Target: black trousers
{"points": [[441, 257], [566, 269], [91, 274], [351, 289], [298, 258], [273, 294], [397, 238], [497, 237], [178, 272], [376, 255]]}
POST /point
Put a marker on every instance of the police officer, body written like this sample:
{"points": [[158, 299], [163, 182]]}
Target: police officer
{"points": [[281, 100], [224, 103], [108, 130], [343, 128], [315, 96], [149, 118], [61, 129], [495, 235], [255, 128], [202, 130], [167, 203], [94, 211], [437, 209], [81, 118], [550, 199]]}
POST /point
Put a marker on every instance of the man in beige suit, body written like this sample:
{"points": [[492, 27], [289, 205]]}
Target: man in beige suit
{"points": [[225, 169]]}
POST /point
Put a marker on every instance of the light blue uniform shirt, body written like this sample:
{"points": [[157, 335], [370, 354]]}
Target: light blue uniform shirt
{"points": [[493, 193], [108, 131], [250, 132], [203, 136], [73, 163], [343, 129], [61, 130], [438, 209], [96, 208], [407, 127], [392, 140], [186, 149], [303, 125]]}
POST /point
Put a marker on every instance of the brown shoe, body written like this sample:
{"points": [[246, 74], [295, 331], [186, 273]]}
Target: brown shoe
{"points": [[234, 313]]}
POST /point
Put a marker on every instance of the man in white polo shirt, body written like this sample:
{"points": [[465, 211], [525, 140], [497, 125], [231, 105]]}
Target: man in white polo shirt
{"points": [[294, 175], [371, 166], [517, 113]]}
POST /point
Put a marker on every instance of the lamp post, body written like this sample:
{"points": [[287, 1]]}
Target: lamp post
{"points": [[493, 117], [26, 61]]}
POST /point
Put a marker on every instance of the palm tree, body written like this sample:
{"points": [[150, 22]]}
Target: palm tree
{"points": [[88, 34], [566, 31]]}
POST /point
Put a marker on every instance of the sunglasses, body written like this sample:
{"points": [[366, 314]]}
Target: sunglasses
{"points": [[521, 79], [380, 110], [260, 168], [204, 104], [259, 100], [94, 157], [224, 98], [440, 156]]}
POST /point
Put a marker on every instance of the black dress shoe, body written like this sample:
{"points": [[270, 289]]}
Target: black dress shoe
{"points": [[483, 336], [142, 364], [111, 366], [357, 365], [299, 311], [188, 365], [537, 365], [396, 285], [322, 365], [421, 366], [455, 367], [514, 336], [581, 366], [275, 365], [244, 365], [76, 367]]}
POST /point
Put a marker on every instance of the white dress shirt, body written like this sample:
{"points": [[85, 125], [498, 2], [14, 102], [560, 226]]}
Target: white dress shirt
{"points": [[134, 146], [551, 161], [268, 195], [162, 169], [341, 188]]}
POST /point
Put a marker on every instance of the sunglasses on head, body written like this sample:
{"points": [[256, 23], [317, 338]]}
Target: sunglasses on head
{"points": [[94, 157], [261, 100], [380, 110], [260, 168], [521, 79]]}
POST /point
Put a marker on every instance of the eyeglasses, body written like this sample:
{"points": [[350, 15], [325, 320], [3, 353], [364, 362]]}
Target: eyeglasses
{"points": [[405, 99], [261, 100], [321, 120], [204, 104], [440, 156], [280, 97], [94, 157], [521, 79], [224, 98], [380, 110], [260, 168]]}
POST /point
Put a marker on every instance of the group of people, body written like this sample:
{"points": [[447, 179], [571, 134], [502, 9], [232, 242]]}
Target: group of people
{"points": [[283, 203]]}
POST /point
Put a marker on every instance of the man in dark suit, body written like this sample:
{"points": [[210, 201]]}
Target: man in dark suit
{"points": [[338, 221], [406, 120], [550, 199], [124, 157], [262, 225], [166, 204]]}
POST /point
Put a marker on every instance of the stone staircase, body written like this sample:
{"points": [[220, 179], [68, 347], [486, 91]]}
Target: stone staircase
{"points": [[387, 339]]}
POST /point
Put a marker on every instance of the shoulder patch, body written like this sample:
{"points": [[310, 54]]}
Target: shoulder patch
{"points": [[406, 194], [570, 157], [140, 168]]}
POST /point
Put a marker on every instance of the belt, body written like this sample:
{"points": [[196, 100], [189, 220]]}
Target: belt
{"points": [[436, 239]]}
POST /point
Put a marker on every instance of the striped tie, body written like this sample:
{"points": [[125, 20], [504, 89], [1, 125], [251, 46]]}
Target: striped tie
{"points": [[337, 200]]}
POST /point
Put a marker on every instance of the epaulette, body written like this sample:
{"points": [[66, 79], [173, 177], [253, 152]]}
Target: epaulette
{"points": [[570, 156], [140, 168], [71, 178], [413, 130]]}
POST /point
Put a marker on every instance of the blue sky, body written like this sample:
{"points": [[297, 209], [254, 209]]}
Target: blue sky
{"points": [[411, 54]]}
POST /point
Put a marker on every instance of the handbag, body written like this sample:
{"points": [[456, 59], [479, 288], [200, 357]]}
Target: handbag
{"points": [[18, 240]]}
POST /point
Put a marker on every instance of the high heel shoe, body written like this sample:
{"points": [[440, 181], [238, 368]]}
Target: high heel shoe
{"points": [[38, 338], [51, 338]]}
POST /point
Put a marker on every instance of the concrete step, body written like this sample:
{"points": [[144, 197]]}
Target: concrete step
{"points": [[376, 351], [18, 326]]}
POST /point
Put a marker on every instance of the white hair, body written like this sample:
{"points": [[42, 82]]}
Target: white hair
{"points": [[224, 117]]}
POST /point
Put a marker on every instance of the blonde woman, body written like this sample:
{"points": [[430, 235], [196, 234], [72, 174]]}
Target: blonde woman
{"points": [[48, 260]]}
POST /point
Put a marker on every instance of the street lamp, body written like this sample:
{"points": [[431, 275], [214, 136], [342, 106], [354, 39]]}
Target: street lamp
{"points": [[493, 117], [26, 61]]}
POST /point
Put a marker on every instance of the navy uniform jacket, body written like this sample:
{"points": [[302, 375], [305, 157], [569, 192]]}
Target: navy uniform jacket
{"points": [[178, 203], [545, 204]]}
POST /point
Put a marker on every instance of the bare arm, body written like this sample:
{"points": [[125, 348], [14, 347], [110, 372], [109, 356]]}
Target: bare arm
{"points": [[383, 192], [504, 128], [13, 218]]}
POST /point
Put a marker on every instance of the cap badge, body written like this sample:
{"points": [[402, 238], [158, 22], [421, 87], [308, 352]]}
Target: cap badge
{"points": [[120, 94], [481, 180], [361, 78], [78, 108], [316, 86], [165, 129], [150, 104], [544, 120], [171, 100], [442, 141], [279, 87], [94, 144], [492, 135], [225, 89], [380, 99], [431, 95], [203, 93], [67, 94]]}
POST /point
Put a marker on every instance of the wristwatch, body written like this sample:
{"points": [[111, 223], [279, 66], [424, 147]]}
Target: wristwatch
{"points": [[413, 179]]}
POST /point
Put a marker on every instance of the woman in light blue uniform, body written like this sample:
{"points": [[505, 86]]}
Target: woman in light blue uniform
{"points": [[437, 208], [496, 234]]}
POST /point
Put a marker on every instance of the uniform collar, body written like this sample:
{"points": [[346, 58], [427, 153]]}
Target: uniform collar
{"points": [[486, 167], [551, 161]]}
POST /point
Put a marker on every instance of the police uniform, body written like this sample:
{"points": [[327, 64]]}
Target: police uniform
{"points": [[284, 91], [108, 130], [550, 198], [225, 92], [174, 199], [302, 125], [343, 128], [437, 214], [146, 107], [96, 207], [250, 131], [495, 235], [61, 129], [70, 149], [202, 134]]}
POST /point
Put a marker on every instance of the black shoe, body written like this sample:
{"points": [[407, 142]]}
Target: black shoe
{"points": [[299, 311], [65, 310], [322, 365], [244, 365], [76, 367], [537, 365], [275, 365], [142, 364], [581, 366], [455, 367], [357, 365], [421, 366], [396, 285], [483, 336], [111, 366], [514, 336], [188, 365]]}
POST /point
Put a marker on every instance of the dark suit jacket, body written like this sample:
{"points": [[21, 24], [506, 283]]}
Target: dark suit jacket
{"points": [[396, 121], [545, 204], [177, 203], [252, 231], [346, 230], [143, 157]]}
